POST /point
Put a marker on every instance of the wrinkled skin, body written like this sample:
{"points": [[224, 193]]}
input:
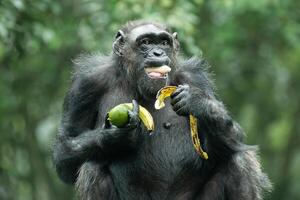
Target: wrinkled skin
{"points": [[107, 162]]}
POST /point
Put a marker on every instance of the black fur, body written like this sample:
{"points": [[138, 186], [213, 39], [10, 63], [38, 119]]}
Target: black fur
{"points": [[128, 163]]}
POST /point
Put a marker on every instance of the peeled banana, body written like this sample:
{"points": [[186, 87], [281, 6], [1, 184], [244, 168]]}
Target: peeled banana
{"points": [[159, 103]]}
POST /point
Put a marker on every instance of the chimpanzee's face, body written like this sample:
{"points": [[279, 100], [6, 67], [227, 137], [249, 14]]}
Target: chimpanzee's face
{"points": [[152, 54]]}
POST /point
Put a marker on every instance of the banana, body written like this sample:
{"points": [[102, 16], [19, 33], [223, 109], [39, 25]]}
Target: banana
{"points": [[167, 91], [145, 116], [162, 94]]}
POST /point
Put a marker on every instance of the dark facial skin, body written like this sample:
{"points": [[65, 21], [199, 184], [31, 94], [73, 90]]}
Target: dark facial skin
{"points": [[150, 46], [152, 43]]}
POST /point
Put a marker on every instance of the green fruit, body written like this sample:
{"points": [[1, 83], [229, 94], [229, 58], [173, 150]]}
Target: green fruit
{"points": [[118, 115]]}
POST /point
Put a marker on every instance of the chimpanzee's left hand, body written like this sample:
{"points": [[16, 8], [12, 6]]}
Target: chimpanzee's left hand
{"points": [[186, 100]]}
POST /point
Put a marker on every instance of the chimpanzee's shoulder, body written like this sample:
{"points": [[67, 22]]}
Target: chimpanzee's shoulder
{"points": [[93, 70], [195, 71], [194, 65], [87, 65]]}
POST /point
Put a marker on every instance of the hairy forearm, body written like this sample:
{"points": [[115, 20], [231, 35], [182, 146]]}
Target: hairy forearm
{"points": [[223, 135], [70, 152], [214, 112], [100, 144], [82, 145]]}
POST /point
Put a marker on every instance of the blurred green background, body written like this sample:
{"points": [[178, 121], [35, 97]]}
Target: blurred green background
{"points": [[253, 46]]}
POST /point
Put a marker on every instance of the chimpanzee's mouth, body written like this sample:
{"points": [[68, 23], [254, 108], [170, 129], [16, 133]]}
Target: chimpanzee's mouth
{"points": [[158, 72]]}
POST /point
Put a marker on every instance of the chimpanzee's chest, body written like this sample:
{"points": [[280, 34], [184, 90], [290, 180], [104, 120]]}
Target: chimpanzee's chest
{"points": [[163, 158], [171, 139]]}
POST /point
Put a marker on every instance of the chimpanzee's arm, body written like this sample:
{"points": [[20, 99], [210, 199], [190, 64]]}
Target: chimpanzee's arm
{"points": [[71, 151], [78, 139], [196, 96]]}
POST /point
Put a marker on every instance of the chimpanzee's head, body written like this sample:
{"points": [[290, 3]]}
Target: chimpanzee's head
{"points": [[147, 51]]}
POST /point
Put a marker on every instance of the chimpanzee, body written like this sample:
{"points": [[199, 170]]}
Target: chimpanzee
{"points": [[107, 162]]}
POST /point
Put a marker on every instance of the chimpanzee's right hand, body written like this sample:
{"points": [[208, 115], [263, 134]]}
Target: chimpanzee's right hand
{"points": [[125, 137]]}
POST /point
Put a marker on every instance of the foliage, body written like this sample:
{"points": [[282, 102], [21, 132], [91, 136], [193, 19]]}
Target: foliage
{"points": [[253, 46]]}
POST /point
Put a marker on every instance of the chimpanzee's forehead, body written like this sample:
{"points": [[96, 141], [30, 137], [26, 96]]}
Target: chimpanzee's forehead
{"points": [[145, 29]]}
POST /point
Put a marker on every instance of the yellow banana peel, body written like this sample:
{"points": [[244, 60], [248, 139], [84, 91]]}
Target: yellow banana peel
{"points": [[167, 91], [162, 94], [195, 137]]}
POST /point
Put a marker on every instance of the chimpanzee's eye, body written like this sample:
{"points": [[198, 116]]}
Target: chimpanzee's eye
{"points": [[165, 42], [145, 41]]}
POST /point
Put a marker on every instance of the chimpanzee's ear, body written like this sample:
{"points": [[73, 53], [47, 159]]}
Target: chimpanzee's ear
{"points": [[120, 34], [118, 43], [176, 42]]}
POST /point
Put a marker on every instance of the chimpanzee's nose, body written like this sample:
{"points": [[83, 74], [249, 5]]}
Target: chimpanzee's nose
{"points": [[158, 52]]}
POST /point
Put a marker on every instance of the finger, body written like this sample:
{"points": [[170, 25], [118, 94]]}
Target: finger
{"points": [[181, 108], [182, 111], [184, 86], [134, 115], [178, 98], [133, 122], [132, 126], [177, 91], [179, 105], [180, 89], [135, 106], [107, 123]]}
